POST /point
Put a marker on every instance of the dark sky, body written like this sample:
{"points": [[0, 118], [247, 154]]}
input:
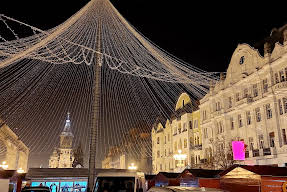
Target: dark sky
{"points": [[204, 34]]}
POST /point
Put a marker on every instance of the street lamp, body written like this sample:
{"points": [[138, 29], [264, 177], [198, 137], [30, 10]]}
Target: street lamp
{"points": [[4, 165], [132, 167], [180, 158], [20, 170]]}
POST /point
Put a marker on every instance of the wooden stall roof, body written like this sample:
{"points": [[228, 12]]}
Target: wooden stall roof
{"points": [[203, 173], [169, 175], [263, 170], [149, 177]]}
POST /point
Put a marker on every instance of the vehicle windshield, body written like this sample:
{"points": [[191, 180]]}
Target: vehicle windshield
{"points": [[115, 184]]}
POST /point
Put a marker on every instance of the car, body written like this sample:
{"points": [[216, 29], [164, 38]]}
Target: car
{"points": [[36, 189], [118, 180]]}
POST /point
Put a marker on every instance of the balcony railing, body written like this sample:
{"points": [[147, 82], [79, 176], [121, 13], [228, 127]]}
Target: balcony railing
{"points": [[266, 151], [281, 85], [256, 153], [198, 147]]}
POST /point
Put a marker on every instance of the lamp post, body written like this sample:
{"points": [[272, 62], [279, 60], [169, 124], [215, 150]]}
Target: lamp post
{"points": [[4, 165], [180, 158], [20, 170], [132, 167]]}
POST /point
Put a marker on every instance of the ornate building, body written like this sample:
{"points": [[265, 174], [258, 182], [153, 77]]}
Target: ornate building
{"points": [[12, 150], [133, 150], [182, 133], [62, 156], [250, 104]]}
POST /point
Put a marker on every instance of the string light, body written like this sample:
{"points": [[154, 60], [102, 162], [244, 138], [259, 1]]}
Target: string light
{"points": [[46, 74]]}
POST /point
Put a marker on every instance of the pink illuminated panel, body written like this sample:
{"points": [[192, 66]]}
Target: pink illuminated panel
{"points": [[238, 150]]}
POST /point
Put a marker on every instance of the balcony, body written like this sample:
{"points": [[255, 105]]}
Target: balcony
{"points": [[266, 151], [255, 153], [280, 86], [198, 147]]}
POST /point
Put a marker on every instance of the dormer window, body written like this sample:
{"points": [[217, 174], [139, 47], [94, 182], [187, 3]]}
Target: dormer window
{"points": [[241, 60]]}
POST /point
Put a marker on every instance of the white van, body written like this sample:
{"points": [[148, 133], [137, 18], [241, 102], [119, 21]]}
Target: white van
{"points": [[119, 180]]}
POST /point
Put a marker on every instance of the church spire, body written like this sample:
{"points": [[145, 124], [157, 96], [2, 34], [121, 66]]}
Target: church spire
{"points": [[67, 128]]}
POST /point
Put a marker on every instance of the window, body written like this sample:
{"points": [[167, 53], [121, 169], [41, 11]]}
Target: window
{"points": [[276, 78], [282, 76], [245, 93], [175, 131], [229, 102], [184, 127], [179, 128], [190, 124], [271, 137], [157, 140], [195, 124], [185, 143], [168, 137], [164, 152], [182, 103], [221, 129], [248, 117], [164, 139], [241, 60], [284, 136], [240, 124], [175, 146], [205, 133], [280, 107], [255, 90], [258, 115], [232, 123], [285, 105], [217, 106], [251, 143], [268, 111], [265, 85], [160, 166], [204, 115], [261, 141], [237, 96], [180, 144], [158, 154]]}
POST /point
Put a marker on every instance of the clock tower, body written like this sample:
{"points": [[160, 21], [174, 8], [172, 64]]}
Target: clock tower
{"points": [[62, 156]]}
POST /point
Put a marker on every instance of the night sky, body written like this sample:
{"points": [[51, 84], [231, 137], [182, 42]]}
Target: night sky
{"points": [[203, 34]]}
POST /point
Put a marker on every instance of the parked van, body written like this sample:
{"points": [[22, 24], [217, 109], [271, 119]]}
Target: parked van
{"points": [[119, 180]]}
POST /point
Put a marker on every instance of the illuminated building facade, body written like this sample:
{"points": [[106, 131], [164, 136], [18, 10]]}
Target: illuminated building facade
{"points": [[13, 152], [249, 104], [178, 136]]}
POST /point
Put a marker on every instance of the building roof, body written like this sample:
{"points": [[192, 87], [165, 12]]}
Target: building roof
{"points": [[149, 177], [188, 108], [169, 175], [203, 173], [263, 170]]}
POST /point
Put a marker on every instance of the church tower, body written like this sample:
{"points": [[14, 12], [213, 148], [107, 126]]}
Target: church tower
{"points": [[62, 156]]}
